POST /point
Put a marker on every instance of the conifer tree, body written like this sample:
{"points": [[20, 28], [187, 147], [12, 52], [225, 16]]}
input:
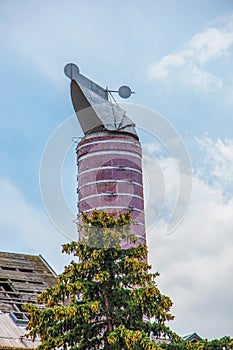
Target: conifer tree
{"points": [[107, 298]]}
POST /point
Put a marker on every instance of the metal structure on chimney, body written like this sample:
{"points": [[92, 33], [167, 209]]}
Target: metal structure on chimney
{"points": [[109, 155]]}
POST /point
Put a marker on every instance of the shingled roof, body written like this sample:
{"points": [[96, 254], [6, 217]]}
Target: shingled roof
{"points": [[22, 278], [12, 336]]}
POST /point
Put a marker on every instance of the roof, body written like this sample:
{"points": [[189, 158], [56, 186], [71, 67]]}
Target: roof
{"points": [[194, 337], [12, 336], [22, 278]]}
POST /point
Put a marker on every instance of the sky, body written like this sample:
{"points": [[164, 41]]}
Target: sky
{"points": [[178, 58]]}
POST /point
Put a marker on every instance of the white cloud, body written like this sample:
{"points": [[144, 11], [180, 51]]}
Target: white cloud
{"points": [[196, 261], [163, 67], [229, 96], [218, 162], [212, 43], [25, 228], [190, 63], [200, 79]]}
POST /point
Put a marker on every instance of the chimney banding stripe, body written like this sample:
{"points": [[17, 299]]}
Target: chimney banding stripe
{"points": [[106, 181], [109, 167], [103, 152], [109, 141], [107, 194]]}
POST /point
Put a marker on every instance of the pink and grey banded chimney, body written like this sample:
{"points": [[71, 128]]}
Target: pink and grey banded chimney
{"points": [[109, 155]]}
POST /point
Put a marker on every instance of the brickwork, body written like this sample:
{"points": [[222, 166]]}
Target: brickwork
{"points": [[110, 176]]}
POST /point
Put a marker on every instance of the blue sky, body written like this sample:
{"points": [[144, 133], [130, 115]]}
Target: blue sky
{"points": [[178, 57]]}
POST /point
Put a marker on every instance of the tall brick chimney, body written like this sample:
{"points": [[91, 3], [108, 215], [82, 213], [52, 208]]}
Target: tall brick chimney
{"points": [[109, 155]]}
